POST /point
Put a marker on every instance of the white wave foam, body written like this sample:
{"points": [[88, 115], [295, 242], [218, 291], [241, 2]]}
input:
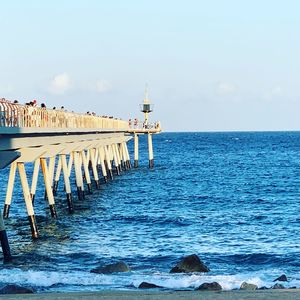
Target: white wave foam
{"points": [[170, 281], [228, 282]]}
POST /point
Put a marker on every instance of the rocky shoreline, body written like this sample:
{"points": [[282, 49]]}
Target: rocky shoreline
{"points": [[190, 264]]}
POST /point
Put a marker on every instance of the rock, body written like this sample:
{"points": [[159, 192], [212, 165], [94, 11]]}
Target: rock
{"points": [[112, 268], [281, 278], [277, 286], [263, 288], [15, 289], [147, 285], [209, 286], [188, 264], [248, 286]]}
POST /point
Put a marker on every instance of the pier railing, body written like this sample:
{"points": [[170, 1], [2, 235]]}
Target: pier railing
{"points": [[139, 126], [27, 116]]}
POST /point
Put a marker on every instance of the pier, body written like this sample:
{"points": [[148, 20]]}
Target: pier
{"points": [[58, 143]]}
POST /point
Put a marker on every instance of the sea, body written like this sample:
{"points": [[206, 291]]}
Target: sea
{"points": [[232, 198]]}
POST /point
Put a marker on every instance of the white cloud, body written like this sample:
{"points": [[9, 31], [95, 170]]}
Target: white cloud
{"points": [[226, 88], [274, 93], [103, 86], [60, 84]]}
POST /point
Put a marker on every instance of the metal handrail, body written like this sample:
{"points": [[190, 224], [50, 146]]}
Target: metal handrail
{"points": [[138, 125], [17, 115]]}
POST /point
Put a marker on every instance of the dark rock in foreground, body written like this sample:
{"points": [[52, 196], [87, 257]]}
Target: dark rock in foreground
{"points": [[209, 286], [188, 264], [248, 286], [281, 278], [15, 289], [147, 285], [112, 268], [277, 286]]}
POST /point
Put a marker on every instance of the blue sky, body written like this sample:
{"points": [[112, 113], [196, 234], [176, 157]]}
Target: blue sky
{"points": [[210, 65]]}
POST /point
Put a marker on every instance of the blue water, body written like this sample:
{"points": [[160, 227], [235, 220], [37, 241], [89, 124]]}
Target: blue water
{"points": [[231, 198]]}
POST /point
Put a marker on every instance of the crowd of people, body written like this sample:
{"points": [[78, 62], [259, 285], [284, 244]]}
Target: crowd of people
{"points": [[9, 112]]}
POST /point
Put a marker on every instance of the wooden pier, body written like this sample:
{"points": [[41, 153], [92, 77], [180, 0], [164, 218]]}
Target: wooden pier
{"points": [[58, 142]]}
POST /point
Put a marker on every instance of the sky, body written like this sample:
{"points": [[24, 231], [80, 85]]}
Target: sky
{"points": [[210, 65]]}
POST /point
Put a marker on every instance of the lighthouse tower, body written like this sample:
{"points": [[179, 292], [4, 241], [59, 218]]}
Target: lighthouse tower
{"points": [[146, 108]]}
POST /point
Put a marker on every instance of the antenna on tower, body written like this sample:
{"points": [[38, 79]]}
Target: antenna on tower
{"points": [[146, 100]]}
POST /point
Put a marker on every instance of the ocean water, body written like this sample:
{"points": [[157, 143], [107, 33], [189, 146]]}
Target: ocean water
{"points": [[231, 198]]}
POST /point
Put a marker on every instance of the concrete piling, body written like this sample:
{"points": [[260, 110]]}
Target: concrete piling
{"points": [[78, 176], [118, 157], [10, 187], [51, 169], [57, 176], [35, 176], [108, 162], [67, 183], [136, 150], [115, 159], [49, 190], [86, 171], [70, 163], [28, 201], [123, 156], [102, 163], [94, 167], [4, 241], [127, 155], [150, 150]]}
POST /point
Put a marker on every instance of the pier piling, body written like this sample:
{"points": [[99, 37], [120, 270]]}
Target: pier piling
{"points": [[57, 176], [78, 176], [4, 241], [102, 163], [28, 201], [34, 179], [150, 150], [86, 171], [67, 183], [49, 190], [136, 150], [9, 191], [108, 162], [94, 168]]}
